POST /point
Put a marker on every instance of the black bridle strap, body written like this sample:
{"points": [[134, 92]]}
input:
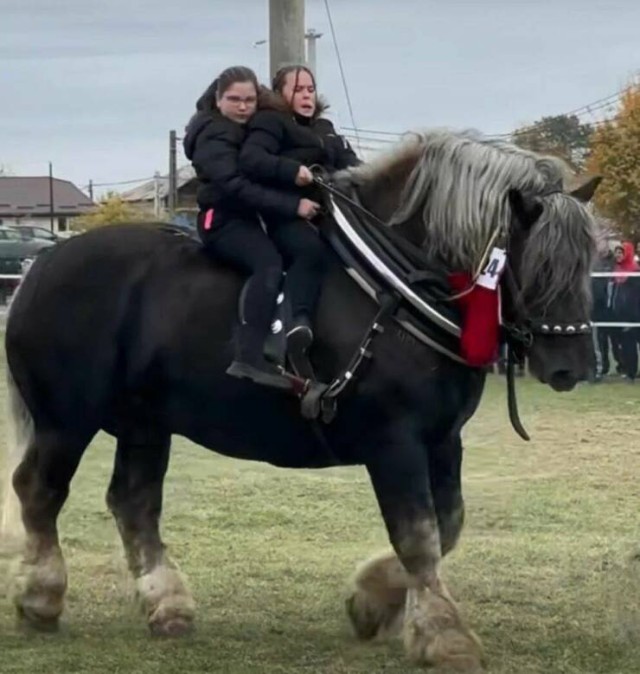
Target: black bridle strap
{"points": [[512, 400]]}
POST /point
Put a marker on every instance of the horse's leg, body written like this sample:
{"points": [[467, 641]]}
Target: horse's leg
{"points": [[434, 631], [41, 482], [135, 499], [445, 463], [380, 584]]}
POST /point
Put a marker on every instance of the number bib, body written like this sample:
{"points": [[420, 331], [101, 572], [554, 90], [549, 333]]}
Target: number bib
{"points": [[490, 276]]}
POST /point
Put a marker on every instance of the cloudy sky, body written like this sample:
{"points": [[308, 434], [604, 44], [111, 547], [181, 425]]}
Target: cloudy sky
{"points": [[95, 85]]}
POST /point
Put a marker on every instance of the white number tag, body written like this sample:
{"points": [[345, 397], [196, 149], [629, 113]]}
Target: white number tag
{"points": [[490, 276]]}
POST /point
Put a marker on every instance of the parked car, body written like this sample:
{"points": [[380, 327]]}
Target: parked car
{"points": [[15, 256], [30, 232]]}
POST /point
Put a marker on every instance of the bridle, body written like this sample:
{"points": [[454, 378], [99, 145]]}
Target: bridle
{"points": [[518, 328]]}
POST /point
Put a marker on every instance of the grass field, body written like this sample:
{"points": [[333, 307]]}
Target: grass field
{"points": [[548, 568]]}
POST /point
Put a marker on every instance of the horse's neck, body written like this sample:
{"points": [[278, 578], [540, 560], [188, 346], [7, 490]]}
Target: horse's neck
{"points": [[382, 197]]}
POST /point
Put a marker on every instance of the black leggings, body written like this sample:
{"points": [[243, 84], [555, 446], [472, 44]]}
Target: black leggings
{"points": [[294, 246], [243, 244], [629, 353], [305, 259]]}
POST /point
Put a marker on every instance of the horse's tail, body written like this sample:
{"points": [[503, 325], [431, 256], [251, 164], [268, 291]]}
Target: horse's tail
{"points": [[19, 437], [20, 431]]}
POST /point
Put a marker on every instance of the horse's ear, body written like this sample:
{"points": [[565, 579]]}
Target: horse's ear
{"points": [[526, 208], [586, 191]]}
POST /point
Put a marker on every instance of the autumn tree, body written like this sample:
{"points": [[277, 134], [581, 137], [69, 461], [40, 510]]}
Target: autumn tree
{"points": [[615, 154], [112, 210], [563, 136]]}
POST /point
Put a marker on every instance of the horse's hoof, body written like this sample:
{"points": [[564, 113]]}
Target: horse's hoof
{"points": [[30, 621], [172, 628], [372, 619], [436, 636]]}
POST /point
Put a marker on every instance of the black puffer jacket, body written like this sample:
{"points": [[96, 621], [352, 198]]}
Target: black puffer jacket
{"points": [[624, 300], [212, 143], [279, 142], [601, 291]]}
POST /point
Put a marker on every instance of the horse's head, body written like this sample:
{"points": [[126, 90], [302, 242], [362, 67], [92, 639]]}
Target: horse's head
{"points": [[453, 194], [551, 245]]}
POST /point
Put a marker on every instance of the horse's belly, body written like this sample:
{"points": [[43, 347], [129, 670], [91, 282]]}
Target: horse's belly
{"points": [[262, 426]]}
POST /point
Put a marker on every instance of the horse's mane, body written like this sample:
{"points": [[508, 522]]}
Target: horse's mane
{"points": [[459, 188]]}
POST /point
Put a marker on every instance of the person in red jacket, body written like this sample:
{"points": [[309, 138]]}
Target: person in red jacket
{"points": [[625, 308]]}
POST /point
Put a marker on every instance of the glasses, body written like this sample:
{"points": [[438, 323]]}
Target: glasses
{"points": [[238, 100]]}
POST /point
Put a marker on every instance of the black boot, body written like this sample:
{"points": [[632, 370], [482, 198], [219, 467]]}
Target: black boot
{"points": [[257, 303], [300, 335], [249, 363]]}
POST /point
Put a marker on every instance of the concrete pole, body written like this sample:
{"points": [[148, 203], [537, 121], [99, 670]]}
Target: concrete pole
{"points": [[286, 34], [311, 36], [173, 175], [51, 207], [156, 195]]}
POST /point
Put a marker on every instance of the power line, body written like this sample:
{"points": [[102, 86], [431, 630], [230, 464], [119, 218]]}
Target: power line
{"points": [[342, 75], [373, 131], [586, 108], [589, 108], [359, 137], [121, 182]]}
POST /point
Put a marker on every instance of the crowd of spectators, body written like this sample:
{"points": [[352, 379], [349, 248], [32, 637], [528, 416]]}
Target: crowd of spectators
{"points": [[617, 300]]}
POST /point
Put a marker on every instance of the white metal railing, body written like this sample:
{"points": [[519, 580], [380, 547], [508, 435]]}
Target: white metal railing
{"points": [[615, 274], [595, 274], [612, 274]]}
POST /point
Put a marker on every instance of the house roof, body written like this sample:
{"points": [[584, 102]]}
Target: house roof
{"points": [[27, 195], [146, 191]]}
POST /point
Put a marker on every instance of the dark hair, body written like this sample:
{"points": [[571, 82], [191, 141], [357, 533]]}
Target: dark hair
{"points": [[280, 77], [225, 79]]}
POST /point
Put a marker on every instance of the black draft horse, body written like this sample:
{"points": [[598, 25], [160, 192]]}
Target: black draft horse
{"points": [[129, 330]]}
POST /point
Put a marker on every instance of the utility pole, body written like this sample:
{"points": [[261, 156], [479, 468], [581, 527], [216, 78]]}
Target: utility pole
{"points": [[286, 34], [311, 36], [156, 195], [91, 189], [173, 175], [51, 209]]}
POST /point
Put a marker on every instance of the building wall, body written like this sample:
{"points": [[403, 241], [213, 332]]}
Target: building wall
{"points": [[187, 196]]}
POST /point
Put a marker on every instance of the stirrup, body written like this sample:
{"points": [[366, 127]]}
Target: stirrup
{"points": [[299, 338], [274, 379]]}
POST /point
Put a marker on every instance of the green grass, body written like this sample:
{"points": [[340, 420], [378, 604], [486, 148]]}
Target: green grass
{"points": [[545, 568]]}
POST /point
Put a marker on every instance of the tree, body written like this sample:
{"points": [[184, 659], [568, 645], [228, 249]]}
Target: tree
{"points": [[615, 154], [563, 136], [111, 210]]}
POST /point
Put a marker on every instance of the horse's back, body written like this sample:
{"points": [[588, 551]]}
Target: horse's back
{"points": [[94, 310]]}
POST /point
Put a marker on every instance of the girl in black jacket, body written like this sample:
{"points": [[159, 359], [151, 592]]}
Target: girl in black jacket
{"points": [[229, 203], [282, 143]]}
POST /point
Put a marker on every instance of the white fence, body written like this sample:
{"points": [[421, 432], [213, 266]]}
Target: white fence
{"points": [[595, 274], [614, 274]]}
